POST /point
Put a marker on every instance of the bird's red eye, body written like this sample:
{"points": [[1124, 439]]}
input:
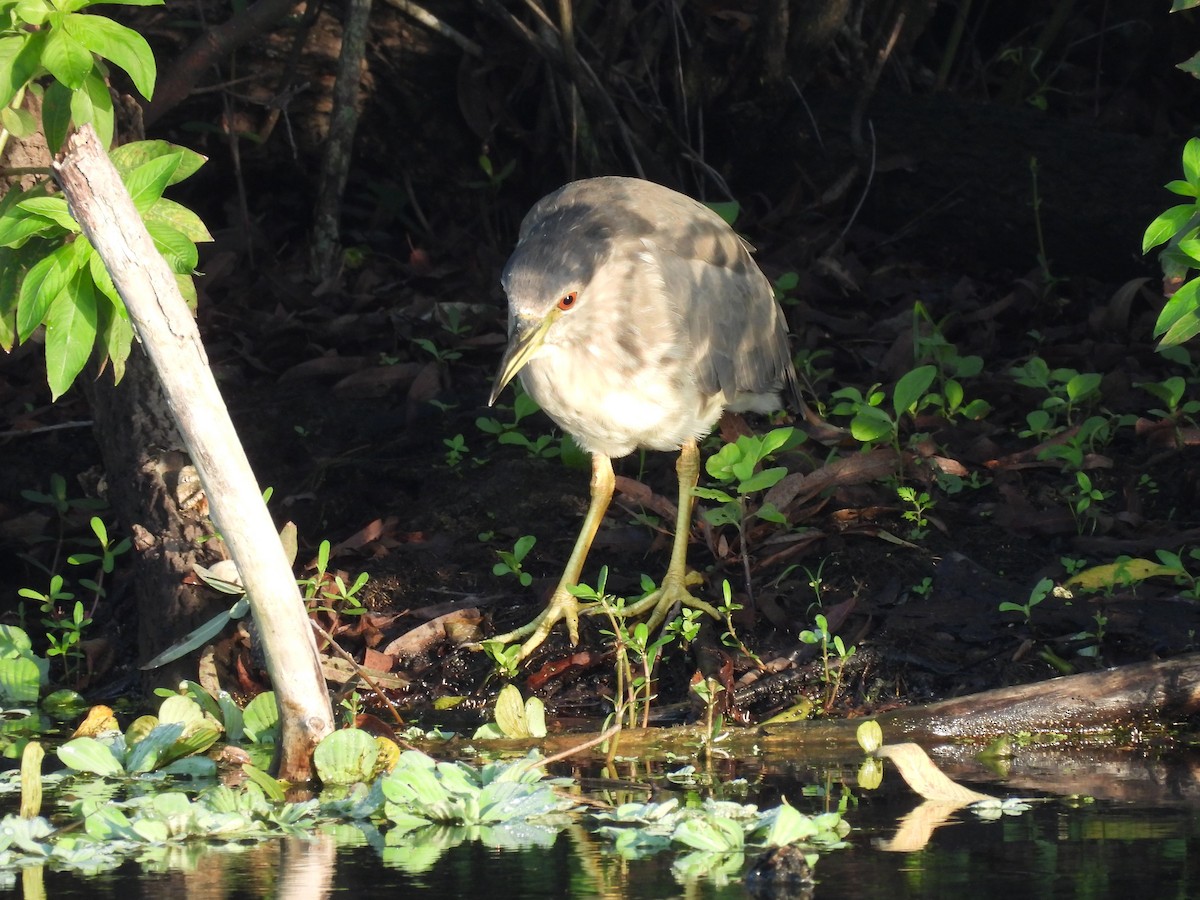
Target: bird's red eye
{"points": [[568, 300]]}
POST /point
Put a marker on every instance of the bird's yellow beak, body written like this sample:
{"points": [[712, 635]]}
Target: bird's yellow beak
{"points": [[521, 347]]}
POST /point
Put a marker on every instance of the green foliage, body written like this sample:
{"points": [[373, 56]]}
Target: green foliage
{"points": [[870, 423], [511, 560], [510, 434], [718, 833], [22, 672], [1179, 229], [1040, 592], [420, 791], [739, 472], [515, 719], [65, 623], [346, 756], [151, 743], [831, 675], [930, 345], [505, 657], [328, 592], [1067, 391], [50, 275], [919, 505], [1082, 497], [59, 281], [636, 651]]}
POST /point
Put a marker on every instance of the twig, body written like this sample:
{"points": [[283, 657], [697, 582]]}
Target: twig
{"points": [[359, 670], [26, 432], [433, 23]]}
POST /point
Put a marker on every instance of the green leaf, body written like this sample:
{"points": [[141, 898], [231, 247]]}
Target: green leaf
{"points": [[1182, 303], [16, 228], [260, 718], [47, 279], [911, 388], [269, 785], [70, 333], [147, 182], [66, 59], [151, 751], [52, 208], [20, 681], [128, 157], [21, 123], [1083, 385], [93, 105], [87, 754], [510, 712], [179, 217], [118, 44], [20, 60], [346, 756], [871, 424], [116, 332], [56, 114], [1166, 225], [761, 481], [1191, 160], [727, 210], [197, 637], [1183, 188], [714, 835], [180, 708], [176, 249], [787, 826], [32, 12], [14, 641]]}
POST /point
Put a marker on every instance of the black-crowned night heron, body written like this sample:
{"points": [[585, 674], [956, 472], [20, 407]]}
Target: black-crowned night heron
{"points": [[636, 316]]}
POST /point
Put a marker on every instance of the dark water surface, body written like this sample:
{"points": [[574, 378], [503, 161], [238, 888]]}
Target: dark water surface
{"points": [[1057, 849]]}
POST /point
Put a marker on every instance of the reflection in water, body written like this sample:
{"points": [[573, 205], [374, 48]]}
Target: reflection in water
{"points": [[1055, 850]]}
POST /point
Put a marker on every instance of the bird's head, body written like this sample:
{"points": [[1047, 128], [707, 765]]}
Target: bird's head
{"points": [[552, 297]]}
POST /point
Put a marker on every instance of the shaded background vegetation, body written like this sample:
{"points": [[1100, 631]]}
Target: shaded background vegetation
{"points": [[880, 150]]}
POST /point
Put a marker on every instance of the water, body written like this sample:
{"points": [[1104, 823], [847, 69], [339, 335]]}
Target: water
{"points": [[1057, 849]]}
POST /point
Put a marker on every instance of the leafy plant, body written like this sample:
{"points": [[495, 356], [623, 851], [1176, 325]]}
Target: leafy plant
{"points": [[919, 504], [22, 672], [636, 653], [831, 675], [1067, 390], [870, 423], [931, 345], [511, 560], [328, 592], [1040, 592], [180, 730], [509, 433], [738, 470], [49, 272], [456, 450], [1179, 229], [1082, 497], [515, 718]]}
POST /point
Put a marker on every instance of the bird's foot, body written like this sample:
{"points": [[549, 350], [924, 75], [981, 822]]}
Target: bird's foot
{"points": [[673, 590], [562, 607]]}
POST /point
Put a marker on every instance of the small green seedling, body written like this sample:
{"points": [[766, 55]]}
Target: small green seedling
{"points": [[1040, 592], [820, 634], [511, 560], [919, 504]]}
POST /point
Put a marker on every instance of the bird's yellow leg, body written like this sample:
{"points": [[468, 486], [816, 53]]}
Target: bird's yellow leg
{"points": [[674, 586], [563, 604]]}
